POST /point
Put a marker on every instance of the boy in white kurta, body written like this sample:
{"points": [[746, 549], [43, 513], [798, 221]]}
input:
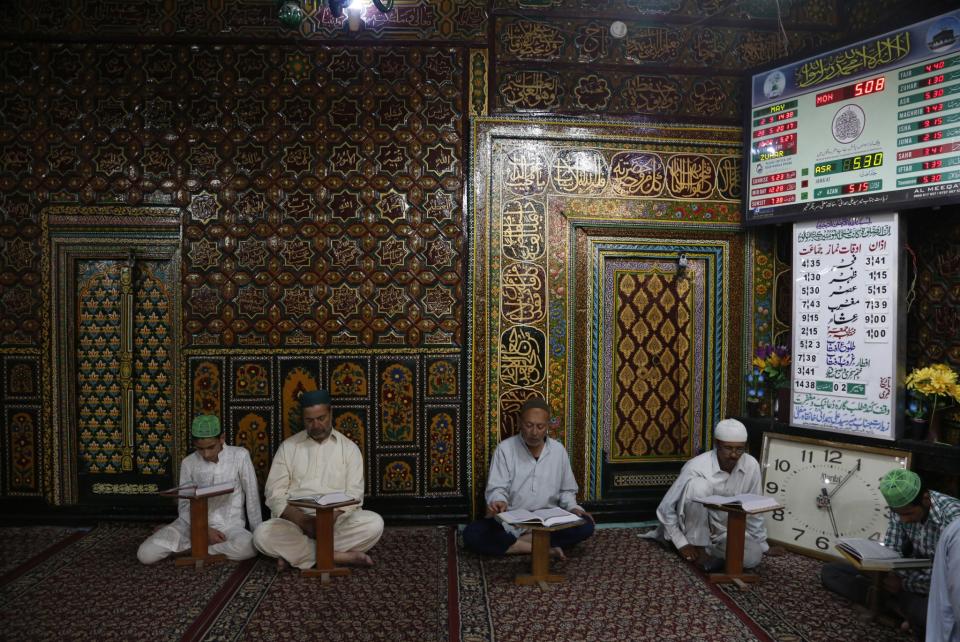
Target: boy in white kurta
{"points": [[316, 461], [212, 462]]}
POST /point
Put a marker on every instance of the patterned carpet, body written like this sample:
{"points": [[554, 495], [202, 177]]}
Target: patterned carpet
{"points": [[95, 589], [617, 588], [20, 544], [791, 605], [404, 597], [66, 585]]}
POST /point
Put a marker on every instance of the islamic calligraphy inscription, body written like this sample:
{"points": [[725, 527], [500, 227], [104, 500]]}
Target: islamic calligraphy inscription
{"points": [[689, 176], [522, 230], [878, 53], [652, 94], [636, 174], [653, 44], [531, 90], [529, 40], [592, 42], [728, 178], [523, 293], [510, 403], [525, 172], [522, 356], [579, 171]]}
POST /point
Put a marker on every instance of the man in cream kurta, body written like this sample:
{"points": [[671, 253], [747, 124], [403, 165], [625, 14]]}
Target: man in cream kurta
{"points": [[700, 534], [212, 462], [316, 461]]}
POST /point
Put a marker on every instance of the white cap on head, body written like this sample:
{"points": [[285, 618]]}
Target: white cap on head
{"points": [[730, 430]]}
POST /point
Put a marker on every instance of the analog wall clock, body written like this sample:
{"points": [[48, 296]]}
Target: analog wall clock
{"points": [[828, 490]]}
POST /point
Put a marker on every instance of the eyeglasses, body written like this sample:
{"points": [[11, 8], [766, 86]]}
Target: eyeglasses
{"points": [[733, 450]]}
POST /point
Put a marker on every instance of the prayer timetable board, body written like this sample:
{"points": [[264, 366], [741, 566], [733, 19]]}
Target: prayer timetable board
{"points": [[870, 127], [847, 330]]}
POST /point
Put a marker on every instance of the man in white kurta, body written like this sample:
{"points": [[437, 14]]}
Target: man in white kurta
{"points": [[943, 606], [316, 461], [698, 533], [212, 462], [529, 471]]}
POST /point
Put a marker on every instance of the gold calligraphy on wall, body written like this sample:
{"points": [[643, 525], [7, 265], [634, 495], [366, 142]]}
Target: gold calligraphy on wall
{"points": [[592, 42], [530, 40], [525, 172], [871, 55], [510, 403], [651, 94], [636, 174], [523, 293], [522, 230], [522, 350], [728, 178], [690, 176], [531, 90], [653, 44], [579, 171]]}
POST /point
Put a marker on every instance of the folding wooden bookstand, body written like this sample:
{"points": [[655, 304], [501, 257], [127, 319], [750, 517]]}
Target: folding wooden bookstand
{"points": [[736, 536], [199, 555], [540, 556], [324, 567]]}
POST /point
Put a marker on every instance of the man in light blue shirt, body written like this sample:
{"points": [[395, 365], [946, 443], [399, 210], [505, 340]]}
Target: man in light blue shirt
{"points": [[529, 471], [943, 608]]}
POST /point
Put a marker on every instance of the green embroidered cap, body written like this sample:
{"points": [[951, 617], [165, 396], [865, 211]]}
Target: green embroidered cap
{"points": [[205, 427], [899, 487], [314, 398]]}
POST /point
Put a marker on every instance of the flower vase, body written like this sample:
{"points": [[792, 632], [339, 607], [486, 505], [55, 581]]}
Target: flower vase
{"points": [[916, 429], [781, 409], [933, 427]]}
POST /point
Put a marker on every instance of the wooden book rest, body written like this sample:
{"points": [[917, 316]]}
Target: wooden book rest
{"points": [[325, 567]]}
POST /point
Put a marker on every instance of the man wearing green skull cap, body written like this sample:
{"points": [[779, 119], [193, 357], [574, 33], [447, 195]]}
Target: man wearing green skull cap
{"points": [[917, 518], [212, 462]]}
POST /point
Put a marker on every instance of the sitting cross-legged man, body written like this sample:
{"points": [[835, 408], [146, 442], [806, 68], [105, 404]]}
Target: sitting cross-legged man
{"points": [[316, 461], [530, 471]]}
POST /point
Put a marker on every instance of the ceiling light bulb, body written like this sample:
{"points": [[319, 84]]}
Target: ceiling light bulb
{"points": [[618, 29]]}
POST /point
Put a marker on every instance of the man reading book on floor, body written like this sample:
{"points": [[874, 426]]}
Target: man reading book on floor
{"points": [[700, 534], [917, 518], [529, 471], [212, 462], [314, 462]]}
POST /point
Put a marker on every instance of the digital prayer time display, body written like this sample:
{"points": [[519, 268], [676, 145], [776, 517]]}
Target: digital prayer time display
{"points": [[870, 127]]}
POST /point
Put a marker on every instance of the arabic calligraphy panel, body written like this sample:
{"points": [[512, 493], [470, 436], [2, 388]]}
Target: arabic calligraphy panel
{"points": [[637, 174], [522, 230], [690, 176], [529, 90], [523, 291], [579, 171], [525, 172], [728, 178], [522, 350], [531, 40]]}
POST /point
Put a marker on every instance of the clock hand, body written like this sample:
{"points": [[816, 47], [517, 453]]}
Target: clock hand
{"points": [[823, 501], [844, 480]]}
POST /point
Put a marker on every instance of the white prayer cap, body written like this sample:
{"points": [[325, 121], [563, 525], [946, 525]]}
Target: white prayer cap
{"points": [[730, 430]]}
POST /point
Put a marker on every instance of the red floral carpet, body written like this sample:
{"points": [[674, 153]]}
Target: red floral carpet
{"points": [[404, 597], [63, 585], [618, 587], [95, 589], [23, 545], [790, 604]]}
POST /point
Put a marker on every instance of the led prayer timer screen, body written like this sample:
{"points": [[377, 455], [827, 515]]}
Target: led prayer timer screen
{"points": [[872, 126]]}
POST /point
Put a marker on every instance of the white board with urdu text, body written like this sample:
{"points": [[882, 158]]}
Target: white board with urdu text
{"points": [[846, 334]]}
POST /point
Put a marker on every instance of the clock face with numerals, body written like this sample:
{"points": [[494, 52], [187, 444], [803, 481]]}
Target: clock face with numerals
{"points": [[828, 490]]}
